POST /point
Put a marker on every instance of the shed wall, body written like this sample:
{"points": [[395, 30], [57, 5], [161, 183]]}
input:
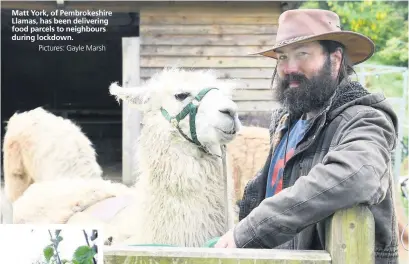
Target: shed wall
{"points": [[218, 36]]}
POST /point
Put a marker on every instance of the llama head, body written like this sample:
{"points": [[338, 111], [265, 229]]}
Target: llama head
{"points": [[173, 91]]}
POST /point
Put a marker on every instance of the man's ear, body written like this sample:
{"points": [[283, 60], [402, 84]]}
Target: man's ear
{"points": [[137, 97]]}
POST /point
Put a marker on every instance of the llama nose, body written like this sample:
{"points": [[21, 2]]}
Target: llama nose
{"points": [[228, 111]]}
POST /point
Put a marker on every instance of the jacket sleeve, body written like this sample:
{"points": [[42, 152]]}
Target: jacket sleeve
{"points": [[354, 171]]}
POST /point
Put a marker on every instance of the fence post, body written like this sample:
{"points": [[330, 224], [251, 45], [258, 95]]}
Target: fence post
{"points": [[131, 117], [350, 236]]}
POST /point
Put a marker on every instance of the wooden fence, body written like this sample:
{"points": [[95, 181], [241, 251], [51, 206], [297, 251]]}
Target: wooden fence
{"points": [[350, 239]]}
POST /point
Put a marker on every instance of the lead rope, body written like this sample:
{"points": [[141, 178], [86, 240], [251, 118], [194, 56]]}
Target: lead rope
{"points": [[226, 188]]}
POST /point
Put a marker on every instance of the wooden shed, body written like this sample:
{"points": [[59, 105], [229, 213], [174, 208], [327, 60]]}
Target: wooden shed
{"points": [[219, 35]]}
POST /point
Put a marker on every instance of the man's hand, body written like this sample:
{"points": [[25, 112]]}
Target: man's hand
{"points": [[226, 241]]}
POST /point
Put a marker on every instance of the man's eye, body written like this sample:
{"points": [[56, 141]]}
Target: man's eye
{"points": [[282, 57], [182, 96]]}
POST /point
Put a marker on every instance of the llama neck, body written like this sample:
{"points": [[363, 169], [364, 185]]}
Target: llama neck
{"points": [[170, 162]]}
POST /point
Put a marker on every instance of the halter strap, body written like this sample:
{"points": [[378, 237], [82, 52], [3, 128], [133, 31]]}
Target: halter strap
{"points": [[191, 110]]}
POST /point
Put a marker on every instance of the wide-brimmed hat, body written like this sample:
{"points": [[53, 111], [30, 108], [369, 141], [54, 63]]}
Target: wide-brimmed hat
{"points": [[306, 25]]}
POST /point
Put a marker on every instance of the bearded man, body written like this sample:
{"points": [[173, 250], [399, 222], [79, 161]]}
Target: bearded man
{"points": [[331, 143]]}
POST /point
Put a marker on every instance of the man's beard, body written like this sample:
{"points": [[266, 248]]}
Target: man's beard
{"points": [[311, 94]]}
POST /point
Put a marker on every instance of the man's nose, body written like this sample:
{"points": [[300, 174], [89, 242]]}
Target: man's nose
{"points": [[291, 67]]}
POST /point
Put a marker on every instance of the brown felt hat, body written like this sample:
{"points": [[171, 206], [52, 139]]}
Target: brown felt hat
{"points": [[306, 25]]}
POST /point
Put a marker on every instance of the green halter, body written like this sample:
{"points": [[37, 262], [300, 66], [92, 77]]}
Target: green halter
{"points": [[191, 110]]}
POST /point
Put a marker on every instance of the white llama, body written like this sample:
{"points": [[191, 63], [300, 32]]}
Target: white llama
{"points": [[40, 146], [179, 197]]}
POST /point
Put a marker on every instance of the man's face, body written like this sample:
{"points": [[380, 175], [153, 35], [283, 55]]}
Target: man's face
{"points": [[306, 77]]}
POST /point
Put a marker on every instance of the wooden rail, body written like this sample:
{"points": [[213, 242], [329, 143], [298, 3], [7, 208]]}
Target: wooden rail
{"points": [[350, 238]]}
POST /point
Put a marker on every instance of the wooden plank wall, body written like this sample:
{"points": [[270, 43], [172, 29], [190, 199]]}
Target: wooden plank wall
{"points": [[214, 35]]}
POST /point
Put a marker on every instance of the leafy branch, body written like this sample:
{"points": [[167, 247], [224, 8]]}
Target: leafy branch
{"points": [[82, 255]]}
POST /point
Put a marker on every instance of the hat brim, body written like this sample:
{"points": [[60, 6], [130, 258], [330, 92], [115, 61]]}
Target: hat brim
{"points": [[358, 47]]}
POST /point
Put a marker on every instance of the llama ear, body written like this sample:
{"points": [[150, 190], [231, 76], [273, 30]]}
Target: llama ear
{"points": [[135, 96]]}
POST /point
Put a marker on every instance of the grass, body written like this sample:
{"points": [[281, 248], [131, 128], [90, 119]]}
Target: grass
{"points": [[390, 84]]}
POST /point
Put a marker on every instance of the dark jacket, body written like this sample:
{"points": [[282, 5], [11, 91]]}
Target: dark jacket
{"points": [[344, 160]]}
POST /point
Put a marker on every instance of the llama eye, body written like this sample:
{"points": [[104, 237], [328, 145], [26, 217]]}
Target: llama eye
{"points": [[182, 96]]}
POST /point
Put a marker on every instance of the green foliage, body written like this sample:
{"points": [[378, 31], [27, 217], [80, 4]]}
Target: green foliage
{"points": [[396, 49], [82, 255], [48, 253], [373, 19]]}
